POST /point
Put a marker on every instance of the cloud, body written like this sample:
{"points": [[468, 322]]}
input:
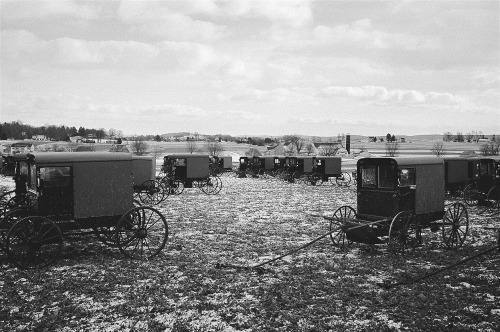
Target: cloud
{"points": [[18, 10], [361, 34], [381, 95]]}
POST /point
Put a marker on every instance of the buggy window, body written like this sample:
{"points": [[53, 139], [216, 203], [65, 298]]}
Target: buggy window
{"points": [[180, 162], [55, 176], [406, 177], [23, 168], [386, 177], [485, 168], [368, 176]]}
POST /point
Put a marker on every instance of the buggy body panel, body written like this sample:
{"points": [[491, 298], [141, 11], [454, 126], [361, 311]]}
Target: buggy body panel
{"points": [[388, 186], [190, 166], [81, 185], [329, 166], [458, 171], [144, 169], [306, 164]]}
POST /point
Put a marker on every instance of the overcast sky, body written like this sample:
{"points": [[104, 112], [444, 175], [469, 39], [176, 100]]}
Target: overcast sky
{"points": [[253, 67]]}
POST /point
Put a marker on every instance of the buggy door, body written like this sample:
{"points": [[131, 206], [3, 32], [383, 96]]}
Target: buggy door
{"points": [[407, 189], [55, 189]]}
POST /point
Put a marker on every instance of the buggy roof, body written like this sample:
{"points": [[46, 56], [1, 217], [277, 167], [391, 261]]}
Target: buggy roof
{"points": [[71, 157], [187, 156], [456, 158], [492, 158], [402, 161]]}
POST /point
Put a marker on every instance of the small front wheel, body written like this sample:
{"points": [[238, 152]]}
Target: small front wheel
{"points": [[141, 233], [34, 242], [342, 217], [403, 233], [471, 195], [455, 225]]}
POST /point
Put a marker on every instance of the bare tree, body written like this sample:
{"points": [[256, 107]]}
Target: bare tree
{"points": [[139, 146], [191, 146], [491, 148], [437, 148], [214, 148], [447, 136], [310, 149], [253, 152], [469, 136], [295, 140], [391, 148], [329, 150]]}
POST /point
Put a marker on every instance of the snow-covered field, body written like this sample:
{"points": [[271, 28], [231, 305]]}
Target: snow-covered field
{"points": [[320, 288]]}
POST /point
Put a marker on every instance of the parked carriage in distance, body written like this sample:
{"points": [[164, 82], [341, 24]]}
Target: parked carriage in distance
{"points": [[148, 190], [264, 165], [221, 165], [485, 186], [189, 171], [397, 198], [77, 193], [458, 172], [330, 167]]}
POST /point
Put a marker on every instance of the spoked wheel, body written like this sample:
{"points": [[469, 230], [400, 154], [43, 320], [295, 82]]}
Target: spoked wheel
{"points": [[10, 219], [471, 195], [174, 186], [34, 242], [141, 233], [152, 192], [341, 217], [211, 186], [494, 198], [343, 180], [10, 201], [455, 225], [403, 236], [314, 179]]}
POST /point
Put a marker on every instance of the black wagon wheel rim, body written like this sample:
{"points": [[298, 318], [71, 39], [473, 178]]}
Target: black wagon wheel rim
{"points": [[4, 201], [455, 225], [218, 186], [471, 195], [342, 216], [402, 234], [142, 233], [494, 197], [34, 242], [10, 219], [152, 192]]}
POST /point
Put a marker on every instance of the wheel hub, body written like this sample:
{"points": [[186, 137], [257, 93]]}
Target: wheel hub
{"points": [[142, 233]]}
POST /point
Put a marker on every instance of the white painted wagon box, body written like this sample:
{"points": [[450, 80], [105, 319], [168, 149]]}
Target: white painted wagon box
{"points": [[99, 183], [144, 169]]}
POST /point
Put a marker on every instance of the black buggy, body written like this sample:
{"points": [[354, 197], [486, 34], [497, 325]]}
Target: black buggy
{"points": [[396, 199], [78, 193]]}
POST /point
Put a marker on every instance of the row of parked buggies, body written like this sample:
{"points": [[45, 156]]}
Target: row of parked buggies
{"points": [[111, 196]]}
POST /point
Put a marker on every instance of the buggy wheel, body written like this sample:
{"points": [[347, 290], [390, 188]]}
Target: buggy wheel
{"points": [[141, 233], [342, 216], [34, 242], [174, 186], [10, 219], [403, 233], [455, 225], [211, 185], [343, 180], [152, 192], [494, 197], [471, 195]]}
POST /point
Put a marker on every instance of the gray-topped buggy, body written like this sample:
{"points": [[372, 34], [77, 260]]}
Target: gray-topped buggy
{"points": [[396, 199], [75, 193]]}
